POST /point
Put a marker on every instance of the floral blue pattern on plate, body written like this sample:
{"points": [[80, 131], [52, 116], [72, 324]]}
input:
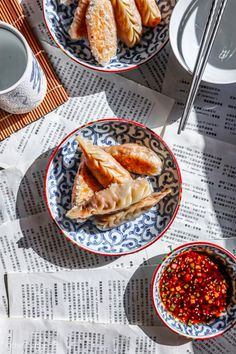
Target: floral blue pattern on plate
{"points": [[129, 237], [58, 18], [216, 326]]}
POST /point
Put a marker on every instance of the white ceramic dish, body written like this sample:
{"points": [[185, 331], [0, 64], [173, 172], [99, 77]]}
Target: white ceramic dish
{"points": [[186, 27]]}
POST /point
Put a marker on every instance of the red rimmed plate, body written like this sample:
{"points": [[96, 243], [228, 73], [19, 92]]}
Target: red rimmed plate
{"points": [[127, 238]]}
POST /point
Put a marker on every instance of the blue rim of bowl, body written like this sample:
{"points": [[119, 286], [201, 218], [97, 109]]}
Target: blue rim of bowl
{"points": [[179, 181], [189, 244], [100, 69]]}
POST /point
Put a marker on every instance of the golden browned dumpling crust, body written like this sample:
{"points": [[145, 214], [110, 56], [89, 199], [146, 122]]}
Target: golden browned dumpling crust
{"points": [[136, 158], [101, 28], [128, 20], [102, 165], [78, 29], [149, 12], [85, 185]]}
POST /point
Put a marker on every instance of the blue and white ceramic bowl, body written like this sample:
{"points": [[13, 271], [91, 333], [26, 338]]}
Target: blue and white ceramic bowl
{"points": [[217, 326], [127, 238], [58, 18]]}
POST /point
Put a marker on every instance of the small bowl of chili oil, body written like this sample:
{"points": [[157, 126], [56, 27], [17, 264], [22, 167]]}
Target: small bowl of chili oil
{"points": [[194, 290]]}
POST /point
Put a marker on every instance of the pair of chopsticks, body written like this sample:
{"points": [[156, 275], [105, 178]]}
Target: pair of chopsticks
{"points": [[207, 41]]}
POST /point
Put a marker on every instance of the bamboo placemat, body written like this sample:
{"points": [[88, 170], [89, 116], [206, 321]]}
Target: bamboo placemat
{"points": [[11, 12]]}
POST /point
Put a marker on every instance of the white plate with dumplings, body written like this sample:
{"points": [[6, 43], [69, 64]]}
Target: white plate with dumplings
{"points": [[113, 187]]}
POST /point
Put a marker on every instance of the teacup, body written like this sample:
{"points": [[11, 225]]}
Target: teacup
{"points": [[23, 84]]}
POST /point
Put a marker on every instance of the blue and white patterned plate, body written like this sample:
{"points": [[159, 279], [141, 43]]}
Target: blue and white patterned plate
{"points": [[217, 326], [129, 237], [58, 18]]}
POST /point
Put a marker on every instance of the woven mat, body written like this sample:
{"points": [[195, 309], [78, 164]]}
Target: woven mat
{"points": [[11, 12]]}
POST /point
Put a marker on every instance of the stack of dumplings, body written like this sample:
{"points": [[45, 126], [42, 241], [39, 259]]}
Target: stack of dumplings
{"points": [[101, 21], [104, 189]]}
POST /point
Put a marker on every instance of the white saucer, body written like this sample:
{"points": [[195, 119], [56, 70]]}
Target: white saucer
{"points": [[186, 27]]}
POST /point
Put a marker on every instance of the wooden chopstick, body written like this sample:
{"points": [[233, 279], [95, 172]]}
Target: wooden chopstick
{"points": [[207, 42]]}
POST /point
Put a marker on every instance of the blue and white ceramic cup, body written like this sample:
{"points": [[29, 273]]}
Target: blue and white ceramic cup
{"points": [[23, 84]]}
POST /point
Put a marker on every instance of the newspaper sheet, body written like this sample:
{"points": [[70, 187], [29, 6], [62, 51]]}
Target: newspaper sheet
{"points": [[22, 336], [34, 244], [214, 111], [61, 337], [47, 336], [208, 167], [121, 296], [31, 245]]}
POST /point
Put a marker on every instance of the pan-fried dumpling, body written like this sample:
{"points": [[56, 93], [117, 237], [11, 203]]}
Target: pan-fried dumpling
{"points": [[85, 185], [136, 158], [116, 197], [101, 28], [102, 165], [149, 12], [104, 222], [128, 21], [78, 27]]}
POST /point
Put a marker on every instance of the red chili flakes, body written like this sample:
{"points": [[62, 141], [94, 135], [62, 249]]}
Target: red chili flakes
{"points": [[193, 289]]}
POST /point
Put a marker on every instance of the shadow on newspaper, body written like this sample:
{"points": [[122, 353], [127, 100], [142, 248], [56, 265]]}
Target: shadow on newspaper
{"points": [[213, 118], [40, 232], [139, 309]]}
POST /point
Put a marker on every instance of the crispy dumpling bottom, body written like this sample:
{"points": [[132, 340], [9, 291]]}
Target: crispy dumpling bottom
{"points": [[136, 158]]}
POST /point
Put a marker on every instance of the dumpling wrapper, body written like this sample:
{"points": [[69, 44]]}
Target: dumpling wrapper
{"points": [[136, 158], [114, 198], [101, 29], [128, 21], [149, 11], [102, 165], [85, 184], [78, 27], [105, 222]]}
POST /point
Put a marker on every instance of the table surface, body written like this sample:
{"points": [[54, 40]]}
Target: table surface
{"points": [[211, 131]]}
